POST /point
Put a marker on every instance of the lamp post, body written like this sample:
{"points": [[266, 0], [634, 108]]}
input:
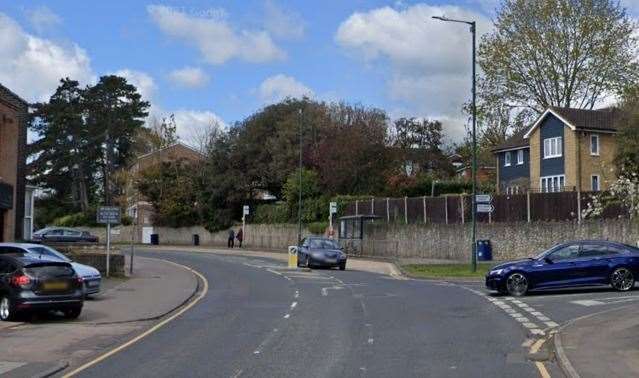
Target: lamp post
{"points": [[473, 30], [299, 202]]}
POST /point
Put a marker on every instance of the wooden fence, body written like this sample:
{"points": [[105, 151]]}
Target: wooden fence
{"points": [[450, 209]]}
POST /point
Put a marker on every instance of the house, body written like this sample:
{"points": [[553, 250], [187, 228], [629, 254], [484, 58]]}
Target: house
{"points": [[565, 149], [13, 140], [138, 207], [485, 174]]}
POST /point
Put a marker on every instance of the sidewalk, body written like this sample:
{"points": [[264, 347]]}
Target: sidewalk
{"points": [[354, 263], [601, 345], [40, 346]]}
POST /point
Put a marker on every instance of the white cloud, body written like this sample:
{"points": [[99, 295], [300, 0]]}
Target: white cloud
{"points": [[283, 23], [189, 77], [192, 124], [429, 60], [42, 18], [32, 67], [141, 80], [217, 41], [278, 87]]}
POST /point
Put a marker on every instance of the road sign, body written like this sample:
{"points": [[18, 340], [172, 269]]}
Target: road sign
{"points": [[333, 208], [485, 208], [245, 210], [483, 198], [108, 215]]}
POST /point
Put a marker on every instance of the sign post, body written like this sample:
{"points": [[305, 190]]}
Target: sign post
{"points": [[245, 212], [332, 209], [109, 215]]}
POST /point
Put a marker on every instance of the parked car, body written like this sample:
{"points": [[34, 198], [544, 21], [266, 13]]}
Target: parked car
{"points": [[63, 234], [572, 264], [30, 284], [321, 252], [91, 277]]}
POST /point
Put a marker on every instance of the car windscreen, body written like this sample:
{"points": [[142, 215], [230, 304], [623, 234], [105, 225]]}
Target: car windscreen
{"points": [[323, 244], [49, 271], [49, 253]]}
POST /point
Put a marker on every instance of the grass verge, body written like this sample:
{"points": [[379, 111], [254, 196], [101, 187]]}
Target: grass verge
{"points": [[446, 270]]}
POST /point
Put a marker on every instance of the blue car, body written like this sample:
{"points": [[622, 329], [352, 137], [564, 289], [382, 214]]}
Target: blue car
{"points": [[573, 264]]}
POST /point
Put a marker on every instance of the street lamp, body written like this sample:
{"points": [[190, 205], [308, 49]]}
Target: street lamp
{"points": [[299, 204], [474, 166]]}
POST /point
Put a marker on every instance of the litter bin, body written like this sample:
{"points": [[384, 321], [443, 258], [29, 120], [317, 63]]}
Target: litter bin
{"points": [[196, 239], [155, 239], [484, 250]]}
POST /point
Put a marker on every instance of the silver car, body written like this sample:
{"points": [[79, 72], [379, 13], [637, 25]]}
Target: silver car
{"points": [[91, 277]]}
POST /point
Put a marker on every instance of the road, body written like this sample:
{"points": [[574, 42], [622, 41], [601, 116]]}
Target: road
{"points": [[260, 319]]}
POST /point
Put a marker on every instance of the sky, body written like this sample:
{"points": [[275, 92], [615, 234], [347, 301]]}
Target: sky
{"points": [[220, 61]]}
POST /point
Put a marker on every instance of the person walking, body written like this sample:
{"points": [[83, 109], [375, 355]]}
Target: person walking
{"points": [[239, 236], [231, 242]]}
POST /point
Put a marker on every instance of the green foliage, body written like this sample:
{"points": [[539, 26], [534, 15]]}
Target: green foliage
{"points": [[86, 219], [271, 213], [172, 188], [422, 185], [317, 228], [628, 137]]}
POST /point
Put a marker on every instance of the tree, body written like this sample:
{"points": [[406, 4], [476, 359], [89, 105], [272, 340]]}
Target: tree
{"points": [[115, 112], [628, 136], [172, 188], [565, 53]]}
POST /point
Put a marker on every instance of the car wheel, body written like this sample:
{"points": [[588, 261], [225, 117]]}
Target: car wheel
{"points": [[622, 279], [516, 284], [72, 313], [309, 264], [7, 311], [342, 266]]}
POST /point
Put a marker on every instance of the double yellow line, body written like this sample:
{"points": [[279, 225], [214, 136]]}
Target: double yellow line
{"points": [[146, 333]]}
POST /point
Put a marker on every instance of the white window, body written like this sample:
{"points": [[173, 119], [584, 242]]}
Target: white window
{"points": [[520, 157], [552, 147], [594, 144], [551, 184], [594, 183], [507, 159]]}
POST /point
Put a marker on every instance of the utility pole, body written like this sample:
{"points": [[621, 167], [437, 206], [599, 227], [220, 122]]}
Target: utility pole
{"points": [[299, 203], [473, 31]]}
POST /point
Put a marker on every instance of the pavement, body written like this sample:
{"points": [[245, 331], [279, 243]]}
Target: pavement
{"points": [[602, 344], [260, 318], [44, 345]]}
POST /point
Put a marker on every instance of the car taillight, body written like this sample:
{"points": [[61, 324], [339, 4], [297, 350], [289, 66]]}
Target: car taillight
{"points": [[20, 280], [80, 280]]}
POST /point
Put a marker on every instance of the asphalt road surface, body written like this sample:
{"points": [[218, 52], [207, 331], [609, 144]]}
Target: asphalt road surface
{"points": [[261, 320]]}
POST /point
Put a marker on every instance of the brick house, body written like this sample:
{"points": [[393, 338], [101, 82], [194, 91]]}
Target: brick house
{"points": [[13, 140], [138, 207], [565, 149]]}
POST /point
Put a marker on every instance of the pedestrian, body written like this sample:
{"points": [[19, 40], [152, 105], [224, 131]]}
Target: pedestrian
{"points": [[239, 236], [231, 242]]}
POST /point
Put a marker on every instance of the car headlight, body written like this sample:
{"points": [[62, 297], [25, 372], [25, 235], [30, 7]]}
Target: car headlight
{"points": [[496, 272]]}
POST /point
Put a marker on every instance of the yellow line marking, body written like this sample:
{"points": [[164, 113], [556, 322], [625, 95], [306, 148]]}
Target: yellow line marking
{"points": [[540, 365], [542, 370], [150, 330]]}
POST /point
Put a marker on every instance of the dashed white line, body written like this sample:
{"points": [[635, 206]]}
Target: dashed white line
{"points": [[287, 316], [293, 305]]}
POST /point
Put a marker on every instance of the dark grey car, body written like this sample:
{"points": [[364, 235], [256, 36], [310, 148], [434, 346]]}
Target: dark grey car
{"points": [[321, 252], [63, 235]]}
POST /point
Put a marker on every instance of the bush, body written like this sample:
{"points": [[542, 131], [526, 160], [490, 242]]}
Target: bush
{"points": [[80, 219], [317, 228], [271, 213]]}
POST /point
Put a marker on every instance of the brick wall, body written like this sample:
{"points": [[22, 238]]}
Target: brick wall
{"points": [[602, 165]]}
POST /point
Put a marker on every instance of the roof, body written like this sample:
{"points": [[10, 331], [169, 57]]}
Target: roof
{"points": [[515, 141], [174, 145], [582, 119], [15, 100]]}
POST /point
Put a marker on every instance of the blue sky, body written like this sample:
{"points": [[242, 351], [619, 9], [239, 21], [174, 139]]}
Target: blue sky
{"points": [[205, 60]]}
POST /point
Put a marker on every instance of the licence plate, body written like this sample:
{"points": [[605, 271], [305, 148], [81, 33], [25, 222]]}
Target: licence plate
{"points": [[93, 283], [55, 286], [331, 261]]}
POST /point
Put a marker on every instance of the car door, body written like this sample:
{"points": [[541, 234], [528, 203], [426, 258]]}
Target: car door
{"points": [[302, 253], [72, 235], [55, 235], [560, 267], [594, 262]]}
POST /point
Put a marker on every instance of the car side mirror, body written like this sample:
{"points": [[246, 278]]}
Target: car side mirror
{"points": [[548, 260]]}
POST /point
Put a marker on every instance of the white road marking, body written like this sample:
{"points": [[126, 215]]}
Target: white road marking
{"points": [[551, 324], [287, 316], [370, 340], [293, 305]]}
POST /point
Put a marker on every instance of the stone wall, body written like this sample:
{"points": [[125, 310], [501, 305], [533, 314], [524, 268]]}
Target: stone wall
{"points": [[509, 240], [258, 236]]}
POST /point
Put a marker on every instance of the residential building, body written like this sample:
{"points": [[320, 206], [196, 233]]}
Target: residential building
{"points": [[139, 208], [13, 140], [485, 174], [565, 149]]}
